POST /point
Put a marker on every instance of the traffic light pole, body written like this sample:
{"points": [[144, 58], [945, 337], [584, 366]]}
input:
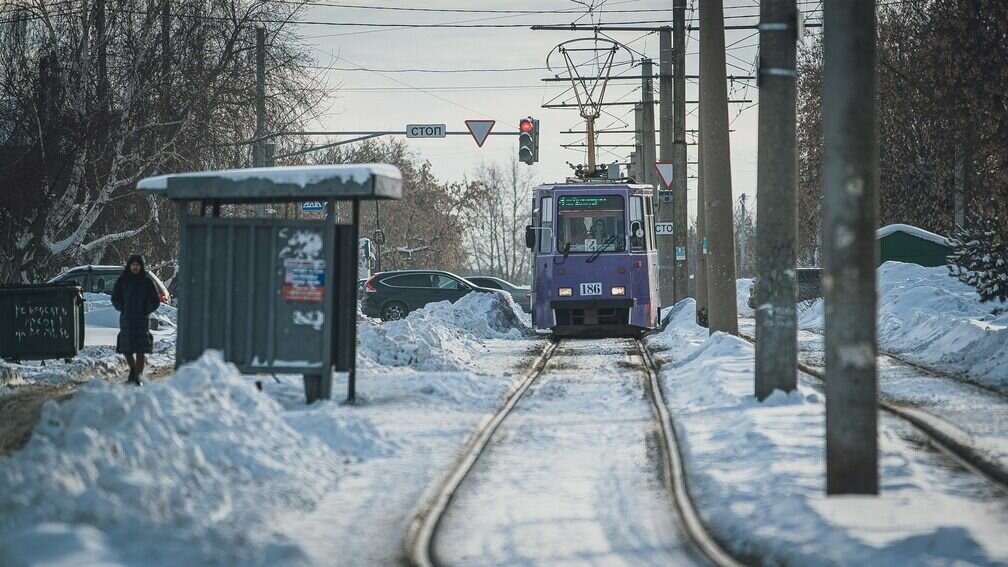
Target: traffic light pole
{"points": [[850, 152]]}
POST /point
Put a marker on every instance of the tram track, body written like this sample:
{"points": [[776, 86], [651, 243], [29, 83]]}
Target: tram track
{"points": [[942, 432], [423, 540]]}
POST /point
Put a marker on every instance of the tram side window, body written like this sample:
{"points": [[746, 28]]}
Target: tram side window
{"points": [[649, 228], [637, 225], [546, 234]]}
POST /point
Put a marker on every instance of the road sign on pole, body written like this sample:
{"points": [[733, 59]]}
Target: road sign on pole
{"points": [[663, 228], [426, 131], [664, 172], [480, 129]]}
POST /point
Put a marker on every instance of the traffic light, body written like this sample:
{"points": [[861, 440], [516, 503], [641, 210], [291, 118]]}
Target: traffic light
{"points": [[528, 140]]}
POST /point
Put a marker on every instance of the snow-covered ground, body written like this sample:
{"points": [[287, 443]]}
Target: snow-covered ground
{"points": [[929, 317], [757, 473], [573, 476], [203, 468]]}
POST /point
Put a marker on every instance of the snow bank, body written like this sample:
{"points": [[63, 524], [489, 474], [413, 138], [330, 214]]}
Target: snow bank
{"points": [[757, 473], [442, 335], [182, 471], [927, 316]]}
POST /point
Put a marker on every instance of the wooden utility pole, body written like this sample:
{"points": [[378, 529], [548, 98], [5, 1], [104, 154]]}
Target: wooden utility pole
{"points": [[259, 147], [680, 202], [701, 238], [648, 156], [723, 313], [851, 186], [776, 202], [667, 274]]}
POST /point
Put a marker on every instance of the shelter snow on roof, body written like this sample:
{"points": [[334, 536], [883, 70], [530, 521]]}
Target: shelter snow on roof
{"points": [[291, 183]]}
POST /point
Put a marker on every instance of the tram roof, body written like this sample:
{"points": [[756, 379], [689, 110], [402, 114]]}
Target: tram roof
{"points": [[596, 187]]}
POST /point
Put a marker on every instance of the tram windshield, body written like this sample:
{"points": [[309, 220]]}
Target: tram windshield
{"points": [[591, 223]]}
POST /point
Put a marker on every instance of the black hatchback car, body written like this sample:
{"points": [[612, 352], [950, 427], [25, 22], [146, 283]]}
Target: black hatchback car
{"points": [[392, 295]]}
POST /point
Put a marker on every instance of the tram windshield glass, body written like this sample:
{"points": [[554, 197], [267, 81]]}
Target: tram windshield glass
{"points": [[591, 223]]}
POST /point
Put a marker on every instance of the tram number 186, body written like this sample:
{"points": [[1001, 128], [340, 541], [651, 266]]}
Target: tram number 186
{"points": [[594, 288]]}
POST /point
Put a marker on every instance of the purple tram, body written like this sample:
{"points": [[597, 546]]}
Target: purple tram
{"points": [[595, 268]]}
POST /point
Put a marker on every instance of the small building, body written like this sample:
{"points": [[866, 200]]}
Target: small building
{"points": [[905, 243]]}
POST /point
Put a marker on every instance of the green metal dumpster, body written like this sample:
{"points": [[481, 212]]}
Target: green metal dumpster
{"points": [[41, 321]]}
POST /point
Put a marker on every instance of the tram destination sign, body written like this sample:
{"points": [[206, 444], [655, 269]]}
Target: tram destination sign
{"points": [[426, 131], [590, 202]]}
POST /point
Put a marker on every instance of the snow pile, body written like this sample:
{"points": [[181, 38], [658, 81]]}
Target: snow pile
{"points": [[442, 335], [177, 472], [757, 474], [743, 287], [927, 316]]}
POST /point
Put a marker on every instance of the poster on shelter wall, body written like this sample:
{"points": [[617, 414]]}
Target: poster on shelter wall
{"points": [[304, 280]]}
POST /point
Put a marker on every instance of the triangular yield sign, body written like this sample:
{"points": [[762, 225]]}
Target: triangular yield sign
{"points": [[480, 129], [665, 172]]}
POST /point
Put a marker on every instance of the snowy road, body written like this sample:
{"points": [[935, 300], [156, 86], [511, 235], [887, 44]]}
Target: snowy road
{"points": [[572, 476], [980, 414]]}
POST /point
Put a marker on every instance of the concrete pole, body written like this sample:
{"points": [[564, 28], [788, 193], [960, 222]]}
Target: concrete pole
{"points": [[638, 157], [680, 201], [666, 244], [723, 313], [648, 157], [776, 203], [701, 274], [850, 255]]}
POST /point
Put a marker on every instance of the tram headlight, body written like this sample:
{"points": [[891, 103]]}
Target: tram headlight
{"points": [[565, 292], [618, 290]]}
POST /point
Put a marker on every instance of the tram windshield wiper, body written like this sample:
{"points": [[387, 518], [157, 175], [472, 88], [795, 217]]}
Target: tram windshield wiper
{"points": [[600, 249]]}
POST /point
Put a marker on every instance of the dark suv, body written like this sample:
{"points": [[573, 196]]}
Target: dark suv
{"points": [[392, 295]]}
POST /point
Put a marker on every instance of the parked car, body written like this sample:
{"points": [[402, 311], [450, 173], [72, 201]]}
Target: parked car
{"points": [[392, 295], [521, 294], [808, 286], [101, 279]]}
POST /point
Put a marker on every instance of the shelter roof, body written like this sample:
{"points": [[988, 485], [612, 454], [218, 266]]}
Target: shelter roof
{"points": [[278, 184]]}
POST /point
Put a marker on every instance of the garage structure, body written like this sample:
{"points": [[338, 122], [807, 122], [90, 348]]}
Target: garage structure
{"points": [[913, 245]]}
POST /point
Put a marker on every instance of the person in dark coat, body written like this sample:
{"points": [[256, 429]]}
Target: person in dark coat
{"points": [[135, 297]]}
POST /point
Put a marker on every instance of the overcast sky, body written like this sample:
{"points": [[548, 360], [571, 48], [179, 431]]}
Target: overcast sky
{"points": [[381, 99]]}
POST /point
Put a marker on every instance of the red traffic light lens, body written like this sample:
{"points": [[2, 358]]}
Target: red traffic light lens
{"points": [[525, 126]]}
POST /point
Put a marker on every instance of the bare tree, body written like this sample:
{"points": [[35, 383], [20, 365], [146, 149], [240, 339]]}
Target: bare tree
{"points": [[496, 238], [432, 218], [97, 97]]}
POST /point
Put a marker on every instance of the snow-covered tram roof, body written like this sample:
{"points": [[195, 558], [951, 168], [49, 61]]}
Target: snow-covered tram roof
{"points": [[292, 183], [596, 187]]}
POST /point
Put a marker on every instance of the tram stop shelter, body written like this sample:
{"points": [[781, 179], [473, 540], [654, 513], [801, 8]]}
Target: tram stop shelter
{"points": [[275, 296]]}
